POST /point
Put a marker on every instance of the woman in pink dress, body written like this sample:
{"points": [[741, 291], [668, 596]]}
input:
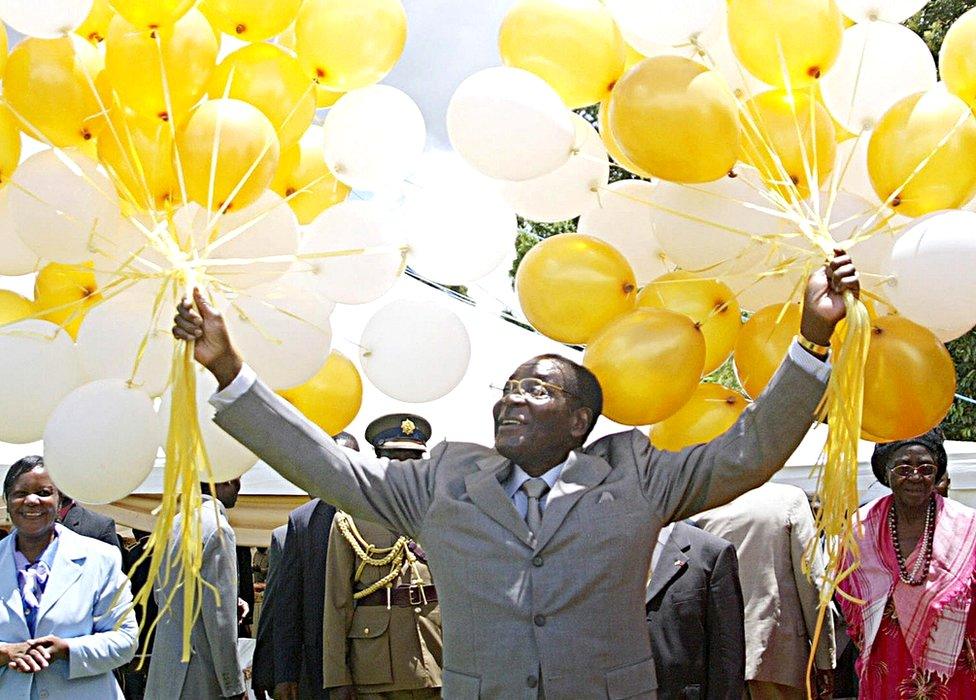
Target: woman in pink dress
{"points": [[914, 620]]}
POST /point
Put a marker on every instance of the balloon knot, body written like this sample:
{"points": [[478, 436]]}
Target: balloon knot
{"points": [[814, 72], [794, 179], [86, 134], [320, 72], [877, 331], [289, 192], [152, 32], [896, 201], [240, 29], [731, 401], [164, 116], [628, 288], [95, 38], [732, 173]]}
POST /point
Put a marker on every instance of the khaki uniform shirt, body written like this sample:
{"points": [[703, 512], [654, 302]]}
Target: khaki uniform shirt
{"points": [[375, 648]]}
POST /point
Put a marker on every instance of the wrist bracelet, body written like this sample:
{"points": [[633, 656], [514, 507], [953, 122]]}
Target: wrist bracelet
{"points": [[806, 344]]}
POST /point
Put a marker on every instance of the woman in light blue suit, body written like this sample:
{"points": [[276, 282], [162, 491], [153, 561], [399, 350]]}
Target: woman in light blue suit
{"points": [[65, 621]]}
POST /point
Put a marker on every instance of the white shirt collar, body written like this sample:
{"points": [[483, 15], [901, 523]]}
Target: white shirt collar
{"points": [[519, 477]]}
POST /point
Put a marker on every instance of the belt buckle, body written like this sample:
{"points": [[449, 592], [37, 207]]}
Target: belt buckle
{"points": [[420, 595]]}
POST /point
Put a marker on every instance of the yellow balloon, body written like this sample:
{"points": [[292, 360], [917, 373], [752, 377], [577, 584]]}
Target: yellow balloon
{"points": [[763, 344], [347, 44], [933, 127], [909, 380], [708, 302], [48, 85], [957, 59], [251, 20], [132, 62], [324, 97], [632, 58], [305, 180], [3, 46], [330, 399], [66, 292], [785, 43], [790, 139], [574, 45], [648, 363], [9, 144], [244, 154], [152, 14], [95, 26], [610, 143], [675, 119], [570, 286], [137, 153], [267, 77], [710, 411], [14, 307]]}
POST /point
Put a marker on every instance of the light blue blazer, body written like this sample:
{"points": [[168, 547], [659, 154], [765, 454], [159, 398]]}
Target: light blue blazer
{"points": [[79, 605]]}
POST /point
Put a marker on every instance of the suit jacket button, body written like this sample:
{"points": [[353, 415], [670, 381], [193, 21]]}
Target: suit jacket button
{"points": [[365, 630], [540, 620], [532, 681], [536, 561]]}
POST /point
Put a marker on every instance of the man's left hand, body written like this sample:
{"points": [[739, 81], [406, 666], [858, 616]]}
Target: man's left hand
{"points": [[55, 647], [823, 302]]}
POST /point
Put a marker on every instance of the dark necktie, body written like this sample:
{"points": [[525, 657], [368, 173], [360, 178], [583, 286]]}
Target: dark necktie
{"points": [[534, 490]]}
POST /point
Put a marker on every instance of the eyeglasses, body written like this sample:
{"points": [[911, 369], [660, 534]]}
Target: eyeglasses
{"points": [[531, 388], [926, 471]]}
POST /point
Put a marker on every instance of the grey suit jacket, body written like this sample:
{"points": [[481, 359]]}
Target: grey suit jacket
{"points": [[298, 624], [771, 528], [263, 666], [213, 670], [565, 609], [695, 617]]}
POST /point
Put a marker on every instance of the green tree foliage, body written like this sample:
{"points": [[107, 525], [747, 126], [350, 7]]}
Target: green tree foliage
{"points": [[933, 21]]}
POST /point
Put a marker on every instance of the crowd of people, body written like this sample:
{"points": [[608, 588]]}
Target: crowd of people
{"points": [[537, 568]]}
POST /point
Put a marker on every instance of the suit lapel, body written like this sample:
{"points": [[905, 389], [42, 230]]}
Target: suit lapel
{"points": [[581, 474], [486, 492], [8, 583], [673, 560], [64, 572]]}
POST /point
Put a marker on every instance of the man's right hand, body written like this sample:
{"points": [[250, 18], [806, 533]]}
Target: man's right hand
{"points": [[286, 691], [205, 328], [343, 692]]}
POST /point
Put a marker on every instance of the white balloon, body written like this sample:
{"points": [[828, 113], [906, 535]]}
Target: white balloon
{"points": [[646, 23], [933, 268], [228, 458], [283, 330], [353, 225], [510, 124], [62, 205], [415, 357], [851, 166], [457, 227], [945, 335], [570, 189], [112, 334], [265, 229], [885, 10], [45, 19], [39, 368], [136, 248], [879, 64], [101, 441], [373, 137], [771, 272], [707, 227], [624, 219], [15, 257]]}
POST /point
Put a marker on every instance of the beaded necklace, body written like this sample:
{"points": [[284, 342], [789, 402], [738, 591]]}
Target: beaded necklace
{"points": [[921, 569]]}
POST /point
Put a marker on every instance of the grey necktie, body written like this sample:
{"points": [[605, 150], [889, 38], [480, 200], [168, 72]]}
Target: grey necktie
{"points": [[534, 489]]}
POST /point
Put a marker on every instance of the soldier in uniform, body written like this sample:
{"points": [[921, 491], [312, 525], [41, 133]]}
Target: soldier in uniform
{"points": [[382, 623]]}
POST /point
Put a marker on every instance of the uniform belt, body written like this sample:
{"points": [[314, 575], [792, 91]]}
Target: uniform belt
{"points": [[401, 596]]}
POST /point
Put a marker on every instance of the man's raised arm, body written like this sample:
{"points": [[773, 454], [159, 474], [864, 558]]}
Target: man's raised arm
{"points": [[766, 434], [393, 493]]}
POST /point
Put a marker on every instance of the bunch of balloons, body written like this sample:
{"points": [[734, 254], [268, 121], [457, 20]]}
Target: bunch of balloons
{"points": [[148, 146], [761, 135]]}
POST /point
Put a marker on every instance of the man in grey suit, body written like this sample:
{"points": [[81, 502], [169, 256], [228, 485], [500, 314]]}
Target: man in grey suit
{"points": [[263, 665], [536, 605], [214, 670], [695, 616]]}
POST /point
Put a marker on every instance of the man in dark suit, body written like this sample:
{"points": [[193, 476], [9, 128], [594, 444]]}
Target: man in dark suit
{"points": [[88, 523], [301, 593], [263, 666], [695, 616]]}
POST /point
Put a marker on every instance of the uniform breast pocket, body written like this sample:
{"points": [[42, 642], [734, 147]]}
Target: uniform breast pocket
{"points": [[369, 646]]}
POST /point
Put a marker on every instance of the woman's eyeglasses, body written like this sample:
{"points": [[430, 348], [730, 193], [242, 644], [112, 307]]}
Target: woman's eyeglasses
{"points": [[926, 471]]}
